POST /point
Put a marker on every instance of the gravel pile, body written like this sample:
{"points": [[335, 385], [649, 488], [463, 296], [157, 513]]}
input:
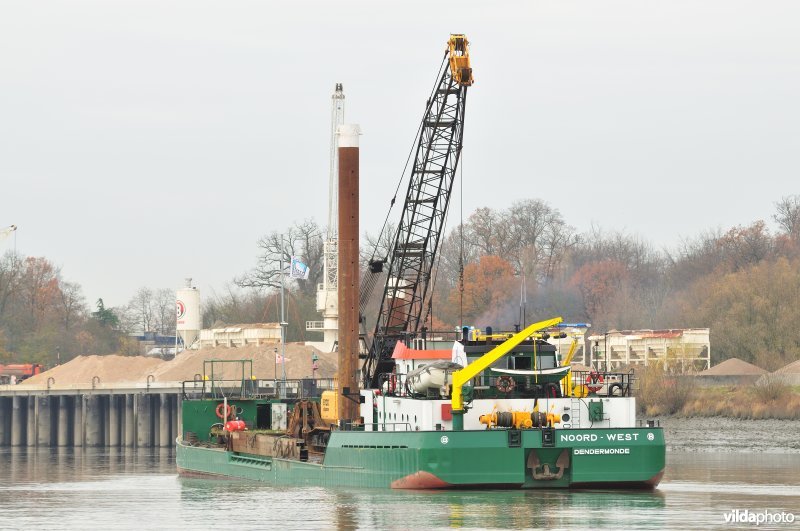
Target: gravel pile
{"points": [[187, 364], [110, 368], [733, 367], [792, 368]]}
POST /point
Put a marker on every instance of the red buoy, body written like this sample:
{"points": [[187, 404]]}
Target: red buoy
{"points": [[235, 425]]}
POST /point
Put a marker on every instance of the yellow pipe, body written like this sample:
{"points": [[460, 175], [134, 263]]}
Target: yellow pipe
{"points": [[464, 375]]}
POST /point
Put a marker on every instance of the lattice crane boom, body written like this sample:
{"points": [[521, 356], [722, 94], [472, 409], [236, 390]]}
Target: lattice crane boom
{"points": [[416, 241]]}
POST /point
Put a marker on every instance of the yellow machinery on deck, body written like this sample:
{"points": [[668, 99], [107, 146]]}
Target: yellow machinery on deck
{"points": [[460, 378]]}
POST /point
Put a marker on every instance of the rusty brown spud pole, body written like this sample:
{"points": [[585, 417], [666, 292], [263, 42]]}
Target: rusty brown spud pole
{"points": [[348, 271]]}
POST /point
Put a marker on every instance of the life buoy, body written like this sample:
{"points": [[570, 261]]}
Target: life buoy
{"points": [[594, 378], [227, 412], [505, 384]]}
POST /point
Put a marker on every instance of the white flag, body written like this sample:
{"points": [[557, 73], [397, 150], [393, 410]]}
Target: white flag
{"points": [[298, 269], [459, 355]]}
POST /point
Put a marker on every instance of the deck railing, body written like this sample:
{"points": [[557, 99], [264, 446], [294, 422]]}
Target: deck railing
{"points": [[257, 388]]}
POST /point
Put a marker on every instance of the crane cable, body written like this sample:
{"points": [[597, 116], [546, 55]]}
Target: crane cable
{"points": [[408, 159], [461, 250]]}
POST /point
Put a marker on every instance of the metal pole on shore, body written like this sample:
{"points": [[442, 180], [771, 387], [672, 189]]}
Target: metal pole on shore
{"points": [[283, 326]]}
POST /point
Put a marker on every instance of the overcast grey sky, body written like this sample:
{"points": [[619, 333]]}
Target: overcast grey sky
{"points": [[145, 141]]}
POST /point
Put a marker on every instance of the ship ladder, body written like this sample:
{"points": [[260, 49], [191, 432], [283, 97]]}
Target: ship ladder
{"points": [[575, 412]]}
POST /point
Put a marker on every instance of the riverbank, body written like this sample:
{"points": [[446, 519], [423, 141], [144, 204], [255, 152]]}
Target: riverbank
{"points": [[719, 434], [760, 401], [772, 396]]}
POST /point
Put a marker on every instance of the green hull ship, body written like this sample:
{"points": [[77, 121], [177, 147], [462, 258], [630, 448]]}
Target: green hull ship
{"points": [[516, 427], [493, 411], [453, 460]]}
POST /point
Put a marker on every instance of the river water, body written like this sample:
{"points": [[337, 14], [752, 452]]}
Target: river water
{"points": [[114, 489]]}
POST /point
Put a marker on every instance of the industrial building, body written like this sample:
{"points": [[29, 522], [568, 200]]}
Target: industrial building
{"points": [[241, 335], [684, 348]]}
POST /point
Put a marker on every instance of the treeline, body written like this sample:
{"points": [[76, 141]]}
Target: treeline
{"points": [[743, 282], [45, 318]]}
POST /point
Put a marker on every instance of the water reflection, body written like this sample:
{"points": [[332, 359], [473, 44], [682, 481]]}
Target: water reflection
{"points": [[499, 508], [66, 488]]}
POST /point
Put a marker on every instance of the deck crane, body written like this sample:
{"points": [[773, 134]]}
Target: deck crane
{"points": [[411, 257], [327, 301]]}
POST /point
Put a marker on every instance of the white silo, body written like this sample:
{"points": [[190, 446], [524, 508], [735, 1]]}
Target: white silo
{"points": [[189, 320]]}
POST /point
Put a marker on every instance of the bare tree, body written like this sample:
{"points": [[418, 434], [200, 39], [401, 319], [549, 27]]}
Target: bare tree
{"points": [[558, 239], [636, 254], [488, 231], [302, 239], [377, 247], [10, 272], [39, 288], [695, 257], [531, 235], [164, 315], [527, 222], [139, 315], [787, 215], [72, 303], [454, 254], [745, 246]]}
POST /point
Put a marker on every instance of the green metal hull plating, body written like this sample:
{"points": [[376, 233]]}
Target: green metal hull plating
{"points": [[622, 458]]}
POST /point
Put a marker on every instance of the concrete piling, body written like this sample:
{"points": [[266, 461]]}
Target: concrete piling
{"points": [[77, 420], [43, 421], [4, 420], [62, 436], [104, 412], [97, 419], [173, 419], [113, 421], [155, 425], [30, 438], [93, 421], [19, 406], [164, 420], [143, 421], [130, 441]]}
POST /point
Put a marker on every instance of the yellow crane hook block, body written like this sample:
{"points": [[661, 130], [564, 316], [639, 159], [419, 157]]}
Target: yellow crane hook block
{"points": [[460, 68]]}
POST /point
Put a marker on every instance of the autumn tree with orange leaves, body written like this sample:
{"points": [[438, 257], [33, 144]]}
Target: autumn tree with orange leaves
{"points": [[598, 283], [43, 317]]}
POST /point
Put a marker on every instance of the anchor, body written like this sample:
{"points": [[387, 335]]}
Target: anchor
{"points": [[545, 473]]}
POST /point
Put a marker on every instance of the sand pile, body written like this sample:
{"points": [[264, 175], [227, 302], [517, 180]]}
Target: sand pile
{"points": [[733, 367], [187, 364], [110, 368], [298, 362], [792, 368]]}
